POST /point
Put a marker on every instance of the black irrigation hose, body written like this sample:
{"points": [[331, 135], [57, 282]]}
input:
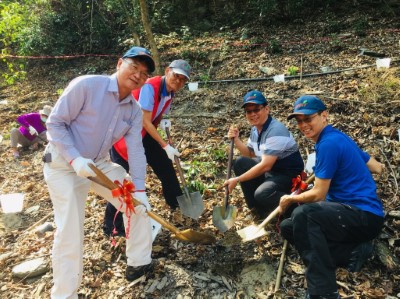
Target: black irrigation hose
{"points": [[289, 77]]}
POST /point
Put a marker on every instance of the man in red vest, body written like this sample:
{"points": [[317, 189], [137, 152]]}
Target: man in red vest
{"points": [[155, 98]]}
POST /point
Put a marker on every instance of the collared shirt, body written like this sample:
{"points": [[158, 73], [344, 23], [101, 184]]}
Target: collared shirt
{"points": [[88, 119], [146, 99], [339, 159], [30, 119], [276, 140]]}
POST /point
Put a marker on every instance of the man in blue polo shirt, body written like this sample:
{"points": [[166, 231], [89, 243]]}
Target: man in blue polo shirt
{"points": [[341, 214], [270, 158]]}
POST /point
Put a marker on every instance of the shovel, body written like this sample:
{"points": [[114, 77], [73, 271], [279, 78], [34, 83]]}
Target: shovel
{"points": [[256, 231], [191, 204], [224, 216], [188, 235]]}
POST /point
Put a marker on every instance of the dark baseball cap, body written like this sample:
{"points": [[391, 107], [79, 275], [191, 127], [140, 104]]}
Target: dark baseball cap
{"points": [[254, 97], [307, 105], [181, 67], [141, 52]]}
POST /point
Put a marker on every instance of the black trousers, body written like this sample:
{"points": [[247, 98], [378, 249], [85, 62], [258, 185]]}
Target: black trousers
{"points": [[162, 166], [324, 234], [264, 192]]}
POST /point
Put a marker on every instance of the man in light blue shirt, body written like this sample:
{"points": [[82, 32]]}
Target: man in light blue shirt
{"points": [[94, 112]]}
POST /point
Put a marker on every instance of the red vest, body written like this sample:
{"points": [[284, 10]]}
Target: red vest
{"points": [[156, 82]]}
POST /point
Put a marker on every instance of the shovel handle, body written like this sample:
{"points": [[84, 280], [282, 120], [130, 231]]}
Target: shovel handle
{"points": [[104, 180], [230, 158], [228, 176], [177, 162], [275, 212]]}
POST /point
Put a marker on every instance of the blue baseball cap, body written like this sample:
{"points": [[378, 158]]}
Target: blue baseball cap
{"points": [[254, 97], [141, 52], [307, 105], [181, 67]]}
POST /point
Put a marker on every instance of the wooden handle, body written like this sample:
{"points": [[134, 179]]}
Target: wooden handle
{"points": [[228, 176], [104, 180], [271, 216], [230, 158], [275, 212], [178, 164]]}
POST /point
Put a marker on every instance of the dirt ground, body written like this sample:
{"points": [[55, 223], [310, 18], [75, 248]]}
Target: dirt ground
{"points": [[363, 102]]}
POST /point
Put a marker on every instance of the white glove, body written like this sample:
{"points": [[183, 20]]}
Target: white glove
{"points": [[33, 131], [140, 210], [155, 228], [142, 197], [165, 123], [81, 167], [171, 152]]}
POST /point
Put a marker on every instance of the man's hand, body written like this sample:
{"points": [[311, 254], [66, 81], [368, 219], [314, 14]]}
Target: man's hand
{"points": [[141, 210], [33, 131], [81, 167], [165, 123], [285, 201], [142, 197], [231, 184], [233, 132], [171, 152]]}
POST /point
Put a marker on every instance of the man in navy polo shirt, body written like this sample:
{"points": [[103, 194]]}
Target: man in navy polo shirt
{"points": [[341, 214], [270, 158]]}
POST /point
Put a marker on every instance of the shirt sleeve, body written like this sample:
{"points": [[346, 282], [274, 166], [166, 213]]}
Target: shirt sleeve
{"points": [[65, 111], [327, 158], [23, 120], [146, 97], [136, 156], [365, 156]]}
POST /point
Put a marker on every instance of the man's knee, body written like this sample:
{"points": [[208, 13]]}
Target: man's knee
{"points": [[242, 164], [286, 228]]}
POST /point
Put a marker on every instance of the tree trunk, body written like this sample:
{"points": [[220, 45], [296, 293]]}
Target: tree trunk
{"points": [[131, 23], [149, 33]]}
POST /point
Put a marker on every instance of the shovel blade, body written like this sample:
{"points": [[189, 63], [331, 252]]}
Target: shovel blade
{"points": [[191, 205], [221, 222], [251, 232], [189, 235]]}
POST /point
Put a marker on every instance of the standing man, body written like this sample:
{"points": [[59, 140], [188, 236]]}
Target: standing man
{"points": [[269, 161], [341, 214], [94, 112], [155, 98]]}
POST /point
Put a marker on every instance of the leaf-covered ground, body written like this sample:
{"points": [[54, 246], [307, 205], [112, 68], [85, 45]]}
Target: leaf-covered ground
{"points": [[363, 102]]}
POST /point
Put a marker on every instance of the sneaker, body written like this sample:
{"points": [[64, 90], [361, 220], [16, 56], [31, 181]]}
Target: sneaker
{"points": [[133, 273], [334, 295], [360, 254]]}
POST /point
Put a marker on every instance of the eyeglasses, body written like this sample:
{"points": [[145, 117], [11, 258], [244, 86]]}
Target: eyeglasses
{"points": [[134, 70], [307, 120], [255, 110], [179, 78]]}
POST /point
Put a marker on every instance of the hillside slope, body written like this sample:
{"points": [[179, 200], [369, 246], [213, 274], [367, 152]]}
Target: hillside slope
{"points": [[363, 102]]}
